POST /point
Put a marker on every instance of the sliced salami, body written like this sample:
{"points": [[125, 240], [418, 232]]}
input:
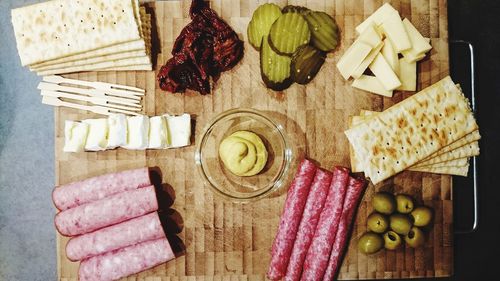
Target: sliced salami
{"points": [[316, 260], [126, 261], [312, 211], [108, 211], [355, 189], [290, 219], [131, 232], [81, 192]]}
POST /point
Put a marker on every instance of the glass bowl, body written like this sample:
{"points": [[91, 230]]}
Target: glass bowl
{"points": [[220, 179]]}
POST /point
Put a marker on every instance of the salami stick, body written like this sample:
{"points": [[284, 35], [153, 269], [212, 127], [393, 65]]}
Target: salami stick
{"points": [[355, 189], [290, 219], [312, 211], [316, 260]]}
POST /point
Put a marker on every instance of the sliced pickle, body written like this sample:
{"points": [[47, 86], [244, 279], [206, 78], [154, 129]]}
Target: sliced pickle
{"points": [[274, 68], [306, 63], [295, 9], [262, 20], [288, 33], [324, 31]]}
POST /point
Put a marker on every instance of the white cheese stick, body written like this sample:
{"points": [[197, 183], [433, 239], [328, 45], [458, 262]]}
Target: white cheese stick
{"points": [[371, 84], [390, 55], [419, 44], [158, 133], [377, 17], [384, 73], [75, 136], [138, 132], [353, 57], [179, 130], [367, 61], [117, 135], [395, 30], [408, 75], [97, 138]]}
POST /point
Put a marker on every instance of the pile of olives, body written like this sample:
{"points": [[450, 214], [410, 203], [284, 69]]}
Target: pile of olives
{"points": [[395, 219]]}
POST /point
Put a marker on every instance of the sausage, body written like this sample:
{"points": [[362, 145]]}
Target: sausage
{"points": [[355, 189], [125, 261], [290, 219], [108, 211], [137, 230], [81, 192], [312, 211], [319, 251]]}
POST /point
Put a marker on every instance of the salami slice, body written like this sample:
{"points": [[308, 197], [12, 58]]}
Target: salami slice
{"points": [[290, 219], [77, 193], [131, 232], [108, 211], [319, 251], [126, 261], [355, 189], [312, 211]]}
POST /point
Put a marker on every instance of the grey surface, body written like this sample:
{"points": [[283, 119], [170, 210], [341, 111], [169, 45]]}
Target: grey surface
{"points": [[27, 235]]}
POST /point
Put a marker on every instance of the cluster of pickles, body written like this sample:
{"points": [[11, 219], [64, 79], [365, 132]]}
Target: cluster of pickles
{"points": [[395, 219], [292, 41]]}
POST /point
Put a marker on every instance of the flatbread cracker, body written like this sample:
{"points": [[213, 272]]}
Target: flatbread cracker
{"points": [[447, 170]]}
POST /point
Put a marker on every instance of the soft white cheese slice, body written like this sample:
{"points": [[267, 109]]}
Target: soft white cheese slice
{"points": [[377, 17], [75, 136], [408, 75], [396, 32], [419, 43], [390, 55], [179, 130], [117, 135], [97, 138], [138, 132], [371, 84], [158, 133], [367, 61], [384, 73]]}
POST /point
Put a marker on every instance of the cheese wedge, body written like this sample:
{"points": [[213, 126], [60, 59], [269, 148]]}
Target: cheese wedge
{"points": [[367, 61], [75, 136], [117, 135], [384, 73], [371, 84], [138, 132], [377, 17], [390, 55], [97, 138], [395, 30], [179, 130], [158, 133], [419, 43], [408, 75]]}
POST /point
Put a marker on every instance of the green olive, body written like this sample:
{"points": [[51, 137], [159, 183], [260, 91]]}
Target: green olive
{"points": [[422, 216], [377, 223], [404, 203], [370, 243], [384, 203], [415, 237], [401, 224], [392, 240]]}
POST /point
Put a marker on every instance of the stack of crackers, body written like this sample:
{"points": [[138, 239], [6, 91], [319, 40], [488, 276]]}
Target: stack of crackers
{"points": [[64, 36], [432, 131]]}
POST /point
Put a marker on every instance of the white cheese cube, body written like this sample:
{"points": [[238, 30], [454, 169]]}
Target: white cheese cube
{"points": [[390, 55], [179, 130], [97, 139], [419, 43], [371, 84], [366, 62], [377, 17], [396, 32], [158, 133], [138, 132], [75, 136], [408, 75], [384, 73], [117, 135], [352, 58]]}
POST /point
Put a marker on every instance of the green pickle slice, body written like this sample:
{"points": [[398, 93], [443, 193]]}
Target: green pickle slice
{"points": [[323, 29], [295, 9], [288, 33], [306, 63], [274, 68], [260, 24]]}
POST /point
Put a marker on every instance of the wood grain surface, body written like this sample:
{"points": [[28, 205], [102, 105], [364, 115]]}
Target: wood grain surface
{"points": [[231, 241]]}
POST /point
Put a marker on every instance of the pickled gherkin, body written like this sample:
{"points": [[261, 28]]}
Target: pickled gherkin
{"points": [[324, 31], [274, 68], [262, 20], [295, 9], [306, 63], [288, 33]]}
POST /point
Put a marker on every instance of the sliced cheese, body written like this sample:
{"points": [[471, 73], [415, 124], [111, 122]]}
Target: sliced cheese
{"points": [[138, 132], [390, 55], [75, 136], [412, 56], [158, 133], [353, 57], [370, 36], [97, 138], [408, 75], [419, 43], [117, 135], [377, 17], [371, 84], [395, 30], [179, 130], [384, 73], [366, 62]]}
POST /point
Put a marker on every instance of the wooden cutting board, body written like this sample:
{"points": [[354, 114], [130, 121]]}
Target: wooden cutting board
{"points": [[230, 241]]}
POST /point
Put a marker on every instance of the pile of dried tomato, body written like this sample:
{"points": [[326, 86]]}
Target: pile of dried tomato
{"points": [[206, 47]]}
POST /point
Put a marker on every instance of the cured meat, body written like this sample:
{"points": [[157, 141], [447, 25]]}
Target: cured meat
{"points": [[290, 219], [355, 189], [77, 193], [126, 261], [312, 211], [319, 251], [114, 237], [108, 211]]}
